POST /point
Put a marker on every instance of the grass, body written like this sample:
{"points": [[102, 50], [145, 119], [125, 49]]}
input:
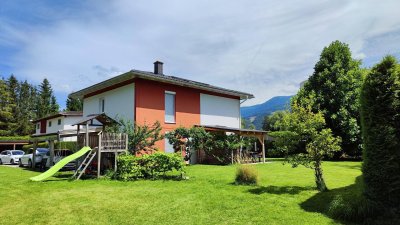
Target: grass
{"points": [[283, 196]]}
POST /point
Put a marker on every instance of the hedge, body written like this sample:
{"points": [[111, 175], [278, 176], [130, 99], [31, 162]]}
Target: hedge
{"points": [[130, 167], [71, 145]]}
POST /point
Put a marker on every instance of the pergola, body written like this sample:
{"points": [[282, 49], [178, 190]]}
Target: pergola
{"points": [[261, 135]]}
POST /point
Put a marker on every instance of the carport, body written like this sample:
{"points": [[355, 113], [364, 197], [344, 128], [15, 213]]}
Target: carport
{"points": [[261, 135]]}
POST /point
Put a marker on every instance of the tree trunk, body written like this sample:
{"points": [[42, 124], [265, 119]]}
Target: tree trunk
{"points": [[319, 179]]}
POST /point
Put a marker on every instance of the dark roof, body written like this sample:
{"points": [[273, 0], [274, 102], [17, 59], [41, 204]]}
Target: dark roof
{"points": [[62, 113], [102, 118], [160, 78]]}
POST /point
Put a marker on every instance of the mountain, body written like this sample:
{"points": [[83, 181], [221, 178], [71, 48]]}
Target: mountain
{"points": [[256, 113]]}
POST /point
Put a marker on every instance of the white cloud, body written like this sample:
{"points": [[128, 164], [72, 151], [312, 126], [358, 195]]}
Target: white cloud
{"points": [[262, 47]]}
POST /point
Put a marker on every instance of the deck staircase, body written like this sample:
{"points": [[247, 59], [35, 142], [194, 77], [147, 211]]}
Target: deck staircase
{"points": [[85, 163]]}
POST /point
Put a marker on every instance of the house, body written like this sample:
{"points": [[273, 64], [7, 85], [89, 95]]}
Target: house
{"points": [[51, 124], [146, 97]]}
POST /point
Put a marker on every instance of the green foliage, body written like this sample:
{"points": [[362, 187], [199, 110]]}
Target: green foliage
{"points": [[335, 88], [305, 141], [215, 144], [141, 137], [151, 166], [7, 107], [46, 101], [246, 175], [26, 105], [74, 104], [381, 133], [14, 138], [271, 122], [71, 145], [40, 145]]}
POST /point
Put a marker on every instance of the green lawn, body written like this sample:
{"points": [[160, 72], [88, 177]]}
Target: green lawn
{"points": [[284, 196]]}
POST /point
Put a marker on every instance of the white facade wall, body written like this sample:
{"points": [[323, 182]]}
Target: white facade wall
{"points": [[215, 110], [66, 124], [54, 125], [37, 128], [69, 120], [117, 102]]}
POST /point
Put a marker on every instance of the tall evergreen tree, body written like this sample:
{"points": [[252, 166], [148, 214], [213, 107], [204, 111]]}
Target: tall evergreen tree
{"points": [[47, 103], [380, 114], [335, 86], [6, 107], [14, 88], [74, 104], [25, 112]]}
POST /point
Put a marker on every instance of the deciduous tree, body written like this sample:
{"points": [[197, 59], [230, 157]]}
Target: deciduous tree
{"points": [[336, 84]]}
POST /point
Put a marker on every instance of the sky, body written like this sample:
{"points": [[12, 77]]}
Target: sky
{"points": [[266, 48]]}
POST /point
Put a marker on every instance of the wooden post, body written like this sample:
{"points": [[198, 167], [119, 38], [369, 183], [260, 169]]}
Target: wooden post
{"points": [[51, 149], [87, 134], [99, 156], [14, 146], [263, 148], [35, 143]]}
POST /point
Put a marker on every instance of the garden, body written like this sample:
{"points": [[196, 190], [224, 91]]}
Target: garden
{"points": [[209, 195]]}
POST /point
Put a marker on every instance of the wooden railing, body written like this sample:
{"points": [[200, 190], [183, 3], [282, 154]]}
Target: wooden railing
{"points": [[110, 142]]}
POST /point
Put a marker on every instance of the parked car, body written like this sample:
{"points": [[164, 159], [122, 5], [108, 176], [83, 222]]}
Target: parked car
{"points": [[11, 156], [59, 154], [26, 160]]}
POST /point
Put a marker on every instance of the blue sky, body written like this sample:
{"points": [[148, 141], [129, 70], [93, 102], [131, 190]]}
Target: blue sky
{"points": [[266, 48]]}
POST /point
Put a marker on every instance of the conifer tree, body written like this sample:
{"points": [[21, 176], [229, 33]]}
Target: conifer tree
{"points": [[47, 103], [74, 104], [6, 107], [380, 117]]}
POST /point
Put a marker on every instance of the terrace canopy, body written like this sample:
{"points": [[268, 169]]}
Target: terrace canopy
{"points": [[261, 135]]}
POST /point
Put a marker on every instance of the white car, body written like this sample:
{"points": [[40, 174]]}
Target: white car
{"points": [[11, 156], [26, 160]]}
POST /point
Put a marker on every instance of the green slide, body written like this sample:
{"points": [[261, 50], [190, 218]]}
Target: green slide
{"points": [[50, 172]]}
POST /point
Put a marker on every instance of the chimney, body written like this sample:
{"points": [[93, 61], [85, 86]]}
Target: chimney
{"points": [[158, 67]]}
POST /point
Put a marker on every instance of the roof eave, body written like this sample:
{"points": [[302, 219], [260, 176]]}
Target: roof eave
{"points": [[138, 74]]}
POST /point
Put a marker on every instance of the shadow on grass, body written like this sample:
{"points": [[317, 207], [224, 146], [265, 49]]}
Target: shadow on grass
{"points": [[355, 167], [323, 202], [292, 190]]}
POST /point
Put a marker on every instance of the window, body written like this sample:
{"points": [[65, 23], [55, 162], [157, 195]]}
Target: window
{"points": [[49, 123], [38, 126], [59, 121], [101, 105], [169, 107]]}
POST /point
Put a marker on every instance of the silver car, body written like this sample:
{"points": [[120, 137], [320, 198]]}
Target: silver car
{"points": [[11, 156], [26, 160]]}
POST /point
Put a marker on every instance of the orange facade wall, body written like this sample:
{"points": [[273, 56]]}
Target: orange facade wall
{"points": [[150, 105]]}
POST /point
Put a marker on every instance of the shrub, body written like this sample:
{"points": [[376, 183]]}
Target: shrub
{"points": [[380, 112], [40, 145], [246, 175], [154, 166], [71, 145]]}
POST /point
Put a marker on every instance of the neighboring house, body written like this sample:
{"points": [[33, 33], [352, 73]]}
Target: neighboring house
{"points": [[146, 97], [60, 121]]}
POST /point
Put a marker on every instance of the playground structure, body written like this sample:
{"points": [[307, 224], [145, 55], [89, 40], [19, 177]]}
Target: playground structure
{"points": [[98, 147]]}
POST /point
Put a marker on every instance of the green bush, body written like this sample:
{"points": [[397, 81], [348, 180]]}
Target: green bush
{"points": [[40, 145], [154, 166], [246, 175], [71, 145]]}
